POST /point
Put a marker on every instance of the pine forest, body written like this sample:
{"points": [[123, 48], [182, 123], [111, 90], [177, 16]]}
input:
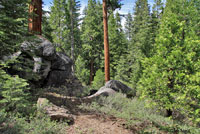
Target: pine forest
{"points": [[99, 66]]}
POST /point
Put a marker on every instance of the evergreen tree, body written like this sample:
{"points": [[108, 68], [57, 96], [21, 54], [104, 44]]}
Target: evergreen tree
{"points": [[59, 25], [141, 29], [13, 93], [171, 76], [92, 37], [117, 42], [140, 43], [13, 31], [46, 28], [73, 24], [113, 4], [128, 26], [124, 62], [156, 18], [13, 25]]}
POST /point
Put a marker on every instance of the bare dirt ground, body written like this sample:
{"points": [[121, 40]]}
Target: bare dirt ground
{"points": [[97, 124], [88, 122]]}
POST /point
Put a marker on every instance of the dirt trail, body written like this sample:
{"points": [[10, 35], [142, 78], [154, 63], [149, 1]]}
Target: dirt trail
{"points": [[87, 122], [97, 124]]}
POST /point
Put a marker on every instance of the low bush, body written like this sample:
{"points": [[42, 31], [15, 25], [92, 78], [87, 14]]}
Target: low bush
{"points": [[36, 125]]}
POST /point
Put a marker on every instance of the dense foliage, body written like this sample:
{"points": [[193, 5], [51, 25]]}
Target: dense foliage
{"points": [[13, 30], [13, 93], [64, 22], [92, 37], [13, 24], [171, 75]]}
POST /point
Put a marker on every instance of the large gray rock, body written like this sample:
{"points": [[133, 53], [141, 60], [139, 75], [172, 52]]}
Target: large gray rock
{"points": [[111, 87], [103, 91], [62, 62], [48, 51], [57, 78], [118, 86], [47, 68], [40, 47]]}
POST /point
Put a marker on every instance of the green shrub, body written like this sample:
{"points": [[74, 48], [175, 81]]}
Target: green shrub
{"points": [[36, 125], [13, 92], [2, 117], [82, 72], [99, 80], [171, 77]]}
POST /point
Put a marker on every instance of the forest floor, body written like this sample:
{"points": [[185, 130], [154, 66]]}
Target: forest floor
{"points": [[92, 123], [88, 122]]}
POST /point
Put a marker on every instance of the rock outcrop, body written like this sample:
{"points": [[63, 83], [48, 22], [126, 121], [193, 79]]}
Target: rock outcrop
{"points": [[42, 66], [103, 91]]}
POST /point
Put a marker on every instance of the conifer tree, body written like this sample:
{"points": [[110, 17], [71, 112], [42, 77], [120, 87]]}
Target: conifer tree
{"points": [[113, 4], [128, 26], [117, 41], [123, 69], [13, 31], [92, 36], [59, 25], [73, 24], [46, 28], [13, 24], [171, 76], [156, 15], [140, 44]]}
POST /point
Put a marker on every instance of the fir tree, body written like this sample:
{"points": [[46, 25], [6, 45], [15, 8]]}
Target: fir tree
{"points": [[128, 26], [59, 25], [13, 25], [117, 42], [156, 18], [73, 24], [46, 28], [171, 76], [140, 43], [92, 36]]}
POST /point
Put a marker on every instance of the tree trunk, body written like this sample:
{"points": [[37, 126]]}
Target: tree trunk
{"points": [[91, 71], [106, 42], [35, 19], [72, 37]]}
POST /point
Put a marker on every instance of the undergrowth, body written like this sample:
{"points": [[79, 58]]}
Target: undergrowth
{"points": [[33, 125], [139, 118]]}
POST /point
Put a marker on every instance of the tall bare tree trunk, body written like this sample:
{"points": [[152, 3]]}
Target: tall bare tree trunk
{"points": [[72, 37], [106, 42], [35, 19]]}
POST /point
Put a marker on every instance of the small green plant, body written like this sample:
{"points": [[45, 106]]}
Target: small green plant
{"points": [[2, 117], [98, 80], [82, 72]]}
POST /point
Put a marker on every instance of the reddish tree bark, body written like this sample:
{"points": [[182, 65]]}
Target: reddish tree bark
{"points": [[35, 18], [106, 43]]}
